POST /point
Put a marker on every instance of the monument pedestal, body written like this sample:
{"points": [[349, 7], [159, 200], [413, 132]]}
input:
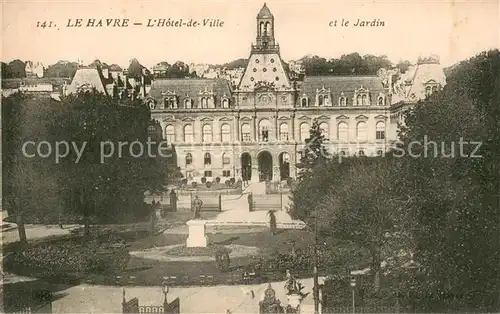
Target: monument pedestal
{"points": [[197, 236]]}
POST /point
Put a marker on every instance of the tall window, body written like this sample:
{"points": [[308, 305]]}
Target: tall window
{"points": [[207, 133], [304, 131], [204, 102], [170, 133], [324, 129], [207, 159], [343, 101], [380, 130], [428, 91], [225, 133], [226, 160], [380, 100], [264, 130], [284, 132], [361, 131], [188, 133], [342, 131], [245, 133], [321, 100], [187, 103], [189, 159], [364, 100], [303, 102], [358, 100], [225, 103]]}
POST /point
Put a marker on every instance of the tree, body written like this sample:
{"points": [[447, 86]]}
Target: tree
{"points": [[178, 70], [314, 151], [94, 187], [6, 71], [62, 69], [18, 68], [458, 198]]}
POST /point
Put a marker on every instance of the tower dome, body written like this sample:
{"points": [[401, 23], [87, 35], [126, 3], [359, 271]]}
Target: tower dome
{"points": [[265, 12]]}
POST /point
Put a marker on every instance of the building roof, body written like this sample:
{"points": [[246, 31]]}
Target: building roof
{"points": [[190, 87], [264, 12], [115, 67], [14, 83], [340, 84], [87, 76]]}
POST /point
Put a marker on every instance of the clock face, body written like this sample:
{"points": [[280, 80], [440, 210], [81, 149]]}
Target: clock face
{"points": [[264, 99]]}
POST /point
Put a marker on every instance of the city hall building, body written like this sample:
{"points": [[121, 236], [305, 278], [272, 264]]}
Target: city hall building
{"points": [[257, 130]]}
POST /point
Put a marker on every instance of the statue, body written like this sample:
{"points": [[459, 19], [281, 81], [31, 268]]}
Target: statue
{"points": [[197, 203], [173, 200], [270, 304]]}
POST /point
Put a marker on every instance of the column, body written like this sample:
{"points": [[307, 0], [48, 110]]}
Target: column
{"points": [[236, 128], [276, 129], [291, 132], [255, 130]]}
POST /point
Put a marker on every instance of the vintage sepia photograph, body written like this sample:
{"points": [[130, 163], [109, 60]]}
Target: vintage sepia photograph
{"points": [[278, 156]]}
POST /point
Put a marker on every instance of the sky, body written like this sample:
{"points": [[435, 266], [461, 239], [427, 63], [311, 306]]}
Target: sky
{"points": [[453, 30]]}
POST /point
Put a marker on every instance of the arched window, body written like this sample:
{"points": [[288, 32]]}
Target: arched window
{"points": [[225, 103], [380, 130], [303, 102], [188, 133], [226, 160], [246, 133], [380, 153], [204, 102], [207, 159], [225, 131], [434, 89], [283, 132], [380, 100], [324, 129], [321, 100], [170, 133], [358, 100], [189, 159], [361, 153], [207, 133], [361, 131], [304, 131], [343, 153], [364, 100], [187, 103], [428, 91], [342, 131], [343, 101], [264, 130]]}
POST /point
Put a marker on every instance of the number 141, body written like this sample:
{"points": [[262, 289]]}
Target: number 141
{"points": [[44, 24]]}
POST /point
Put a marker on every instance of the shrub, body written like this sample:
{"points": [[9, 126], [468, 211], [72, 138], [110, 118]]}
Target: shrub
{"points": [[208, 184], [203, 180], [228, 183], [217, 180], [194, 184], [289, 181]]}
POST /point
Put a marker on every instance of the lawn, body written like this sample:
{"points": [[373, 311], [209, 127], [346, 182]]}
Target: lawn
{"points": [[105, 260]]}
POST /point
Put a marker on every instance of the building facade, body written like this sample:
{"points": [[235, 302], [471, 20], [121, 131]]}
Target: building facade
{"points": [[257, 130]]}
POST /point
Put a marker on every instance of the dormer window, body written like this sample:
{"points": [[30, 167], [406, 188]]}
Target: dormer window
{"points": [[342, 100], [321, 100], [151, 104], [170, 102], [187, 103], [304, 101], [362, 97], [323, 97], [204, 102], [381, 100], [225, 103]]}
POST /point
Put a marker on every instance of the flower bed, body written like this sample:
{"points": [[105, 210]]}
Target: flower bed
{"points": [[66, 257], [210, 250]]}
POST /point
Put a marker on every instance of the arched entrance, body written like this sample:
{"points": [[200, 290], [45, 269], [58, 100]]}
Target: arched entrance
{"points": [[246, 167], [265, 166], [284, 161]]}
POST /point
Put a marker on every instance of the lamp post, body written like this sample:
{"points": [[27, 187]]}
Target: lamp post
{"points": [[316, 284], [353, 286], [165, 291]]}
